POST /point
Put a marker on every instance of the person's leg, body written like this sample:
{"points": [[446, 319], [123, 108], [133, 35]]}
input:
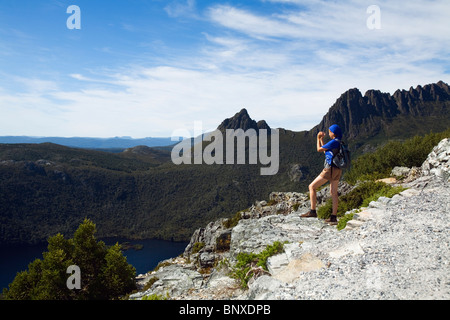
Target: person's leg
{"points": [[313, 196], [334, 195], [335, 199], [319, 181]]}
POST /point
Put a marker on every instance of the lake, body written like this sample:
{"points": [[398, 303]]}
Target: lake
{"points": [[15, 259]]}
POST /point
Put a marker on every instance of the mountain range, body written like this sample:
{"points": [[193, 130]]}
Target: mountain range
{"points": [[139, 193], [92, 143], [377, 114]]}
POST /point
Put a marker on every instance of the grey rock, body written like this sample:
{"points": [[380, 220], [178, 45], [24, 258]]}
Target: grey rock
{"points": [[172, 280], [400, 171], [207, 259], [437, 162], [269, 288], [295, 173], [207, 236]]}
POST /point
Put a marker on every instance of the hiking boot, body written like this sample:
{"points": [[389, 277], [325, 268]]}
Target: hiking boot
{"points": [[309, 214], [332, 220]]}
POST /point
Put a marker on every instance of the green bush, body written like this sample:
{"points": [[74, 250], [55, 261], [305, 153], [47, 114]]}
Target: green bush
{"points": [[233, 221], [242, 270], [343, 221], [155, 297], [197, 247], [149, 283], [380, 163], [223, 242]]}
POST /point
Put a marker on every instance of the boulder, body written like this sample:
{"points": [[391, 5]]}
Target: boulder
{"points": [[400, 172], [295, 173]]}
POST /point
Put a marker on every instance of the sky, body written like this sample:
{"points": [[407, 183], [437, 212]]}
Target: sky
{"points": [[147, 68]]}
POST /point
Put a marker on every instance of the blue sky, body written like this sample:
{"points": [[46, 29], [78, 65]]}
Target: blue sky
{"points": [[146, 68]]}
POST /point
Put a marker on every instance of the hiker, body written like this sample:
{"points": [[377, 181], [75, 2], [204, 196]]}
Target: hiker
{"points": [[330, 173]]}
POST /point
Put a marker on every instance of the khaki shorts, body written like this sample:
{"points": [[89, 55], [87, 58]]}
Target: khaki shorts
{"points": [[326, 174]]}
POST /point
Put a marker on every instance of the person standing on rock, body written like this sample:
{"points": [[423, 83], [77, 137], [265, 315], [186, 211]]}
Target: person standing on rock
{"points": [[330, 173]]}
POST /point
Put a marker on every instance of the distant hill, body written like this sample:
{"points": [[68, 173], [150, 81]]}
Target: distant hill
{"points": [[92, 143], [139, 193]]}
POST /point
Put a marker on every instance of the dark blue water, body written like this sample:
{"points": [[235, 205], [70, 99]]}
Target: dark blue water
{"points": [[15, 259]]}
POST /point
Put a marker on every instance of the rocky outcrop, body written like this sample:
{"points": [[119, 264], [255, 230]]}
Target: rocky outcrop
{"points": [[208, 243], [396, 248], [438, 161]]}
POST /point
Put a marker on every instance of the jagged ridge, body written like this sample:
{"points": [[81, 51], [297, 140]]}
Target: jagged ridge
{"points": [[369, 114], [242, 120]]}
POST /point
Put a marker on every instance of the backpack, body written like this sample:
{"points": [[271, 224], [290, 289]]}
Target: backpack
{"points": [[342, 159]]}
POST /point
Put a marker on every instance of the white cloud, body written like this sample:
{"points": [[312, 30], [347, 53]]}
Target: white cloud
{"points": [[78, 76], [180, 8], [287, 67], [333, 37]]}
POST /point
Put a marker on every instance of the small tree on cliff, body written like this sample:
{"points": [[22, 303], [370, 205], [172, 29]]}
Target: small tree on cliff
{"points": [[105, 273]]}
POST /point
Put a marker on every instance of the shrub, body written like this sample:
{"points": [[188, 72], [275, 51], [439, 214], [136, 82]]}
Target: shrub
{"points": [[379, 164], [275, 248], [223, 242], [149, 283], [343, 221], [155, 297], [243, 269], [197, 247], [233, 221]]}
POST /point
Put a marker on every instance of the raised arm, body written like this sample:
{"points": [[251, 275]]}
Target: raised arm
{"points": [[320, 136]]}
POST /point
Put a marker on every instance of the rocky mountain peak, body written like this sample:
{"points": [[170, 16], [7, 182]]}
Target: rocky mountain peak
{"points": [[242, 120]]}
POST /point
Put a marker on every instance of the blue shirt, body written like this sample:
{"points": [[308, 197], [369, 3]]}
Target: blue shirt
{"points": [[330, 146]]}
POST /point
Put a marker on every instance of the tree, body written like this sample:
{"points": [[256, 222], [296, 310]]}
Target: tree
{"points": [[116, 275], [105, 273], [89, 255]]}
